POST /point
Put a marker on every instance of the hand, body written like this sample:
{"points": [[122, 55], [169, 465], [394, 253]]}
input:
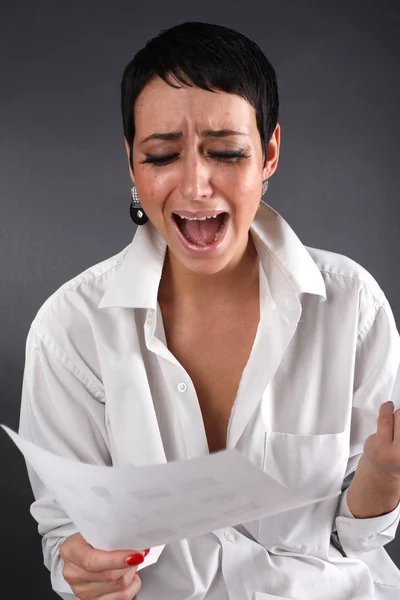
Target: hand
{"points": [[382, 449], [97, 574]]}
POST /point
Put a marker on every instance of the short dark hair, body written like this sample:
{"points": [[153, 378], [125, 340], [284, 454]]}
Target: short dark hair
{"points": [[211, 57]]}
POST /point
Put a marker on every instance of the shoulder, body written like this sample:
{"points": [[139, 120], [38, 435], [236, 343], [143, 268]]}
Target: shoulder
{"points": [[343, 273], [350, 289], [72, 309]]}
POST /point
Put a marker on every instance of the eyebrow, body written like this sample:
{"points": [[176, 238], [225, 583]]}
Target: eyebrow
{"points": [[209, 133]]}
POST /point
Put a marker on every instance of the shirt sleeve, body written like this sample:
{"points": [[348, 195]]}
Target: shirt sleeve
{"points": [[62, 410], [376, 366]]}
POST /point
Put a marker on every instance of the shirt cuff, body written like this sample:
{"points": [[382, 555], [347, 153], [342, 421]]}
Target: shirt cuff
{"points": [[363, 535]]}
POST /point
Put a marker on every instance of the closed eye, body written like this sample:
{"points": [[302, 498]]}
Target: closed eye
{"points": [[159, 160]]}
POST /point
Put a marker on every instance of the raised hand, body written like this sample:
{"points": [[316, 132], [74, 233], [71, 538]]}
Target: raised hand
{"points": [[375, 489], [382, 448]]}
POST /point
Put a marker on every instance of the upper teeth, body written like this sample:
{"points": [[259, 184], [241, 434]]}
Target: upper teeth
{"points": [[199, 218]]}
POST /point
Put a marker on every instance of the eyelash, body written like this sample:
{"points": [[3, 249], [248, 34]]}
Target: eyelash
{"points": [[159, 161]]}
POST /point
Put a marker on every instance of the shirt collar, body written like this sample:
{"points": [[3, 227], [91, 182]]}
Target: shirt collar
{"points": [[287, 265]]}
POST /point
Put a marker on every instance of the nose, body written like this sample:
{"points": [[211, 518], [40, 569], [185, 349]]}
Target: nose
{"points": [[195, 184]]}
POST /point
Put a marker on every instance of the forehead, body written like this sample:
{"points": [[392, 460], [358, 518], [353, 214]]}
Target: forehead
{"points": [[163, 107]]}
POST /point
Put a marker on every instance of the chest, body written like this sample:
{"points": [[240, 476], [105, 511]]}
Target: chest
{"points": [[213, 348]]}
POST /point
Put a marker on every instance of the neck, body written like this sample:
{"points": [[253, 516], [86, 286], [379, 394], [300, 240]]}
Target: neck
{"points": [[234, 282]]}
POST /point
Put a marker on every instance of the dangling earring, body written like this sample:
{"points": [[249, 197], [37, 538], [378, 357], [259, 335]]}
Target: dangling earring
{"points": [[264, 187], [137, 213]]}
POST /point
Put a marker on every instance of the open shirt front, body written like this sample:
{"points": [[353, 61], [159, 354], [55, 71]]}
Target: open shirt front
{"points": [[101, 386]]}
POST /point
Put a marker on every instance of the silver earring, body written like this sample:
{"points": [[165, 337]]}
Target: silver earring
{"points": [[264, 187], [137, 213]]}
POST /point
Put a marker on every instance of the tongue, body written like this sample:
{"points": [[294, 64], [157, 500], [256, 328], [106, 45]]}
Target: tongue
{"points": [[201, 232]]}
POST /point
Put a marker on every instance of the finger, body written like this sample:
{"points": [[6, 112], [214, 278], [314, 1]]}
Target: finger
{"points": [[385, 428], [92, 560], [98, 589], [99, 560], [396, 436], [76, 575], [129, 593]]}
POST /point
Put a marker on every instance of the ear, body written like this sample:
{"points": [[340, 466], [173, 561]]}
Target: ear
{"points": [[273, 153], [127, 152]]}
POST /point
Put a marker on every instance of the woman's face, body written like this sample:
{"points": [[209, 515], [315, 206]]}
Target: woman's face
{"points": [[196, 179]]}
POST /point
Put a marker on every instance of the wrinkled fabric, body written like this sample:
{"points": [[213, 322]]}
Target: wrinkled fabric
{"points": [[100, 386]]}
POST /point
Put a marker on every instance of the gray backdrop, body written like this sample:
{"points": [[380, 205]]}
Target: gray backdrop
{"points": [[64, 183]]}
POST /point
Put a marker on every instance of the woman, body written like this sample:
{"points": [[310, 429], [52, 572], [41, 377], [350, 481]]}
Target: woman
{"points": [[217, 328]]}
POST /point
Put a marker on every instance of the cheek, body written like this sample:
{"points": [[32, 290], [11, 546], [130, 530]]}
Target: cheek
{"points": [[245, 193], [243, 176], [159, 178], [161, 185], [152, 189]]}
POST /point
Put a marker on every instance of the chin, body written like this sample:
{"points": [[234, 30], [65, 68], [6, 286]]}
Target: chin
{"points": [[208, 264]]}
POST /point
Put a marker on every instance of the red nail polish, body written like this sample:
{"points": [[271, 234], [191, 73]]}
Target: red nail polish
{"points": [[135, 559], [146, 552]]}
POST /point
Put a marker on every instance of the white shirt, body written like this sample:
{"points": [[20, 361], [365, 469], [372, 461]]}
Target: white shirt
{"points": [[101, 386]]}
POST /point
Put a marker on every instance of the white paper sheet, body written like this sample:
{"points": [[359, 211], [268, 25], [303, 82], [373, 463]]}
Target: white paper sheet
{"points": [[117, 508]]}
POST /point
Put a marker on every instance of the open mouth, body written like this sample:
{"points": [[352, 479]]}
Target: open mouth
{"points": [[202, 232]]}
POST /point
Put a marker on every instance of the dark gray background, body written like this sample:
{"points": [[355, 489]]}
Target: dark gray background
{"points": [[64, 183]]}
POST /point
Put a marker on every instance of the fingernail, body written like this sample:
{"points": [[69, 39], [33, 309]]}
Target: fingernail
{"points": [[135, 559], [146, 552]]}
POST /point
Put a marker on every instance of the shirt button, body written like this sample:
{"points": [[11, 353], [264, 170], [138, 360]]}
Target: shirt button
{"points": [[229, 536], [182, 387], [149, 320]]}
